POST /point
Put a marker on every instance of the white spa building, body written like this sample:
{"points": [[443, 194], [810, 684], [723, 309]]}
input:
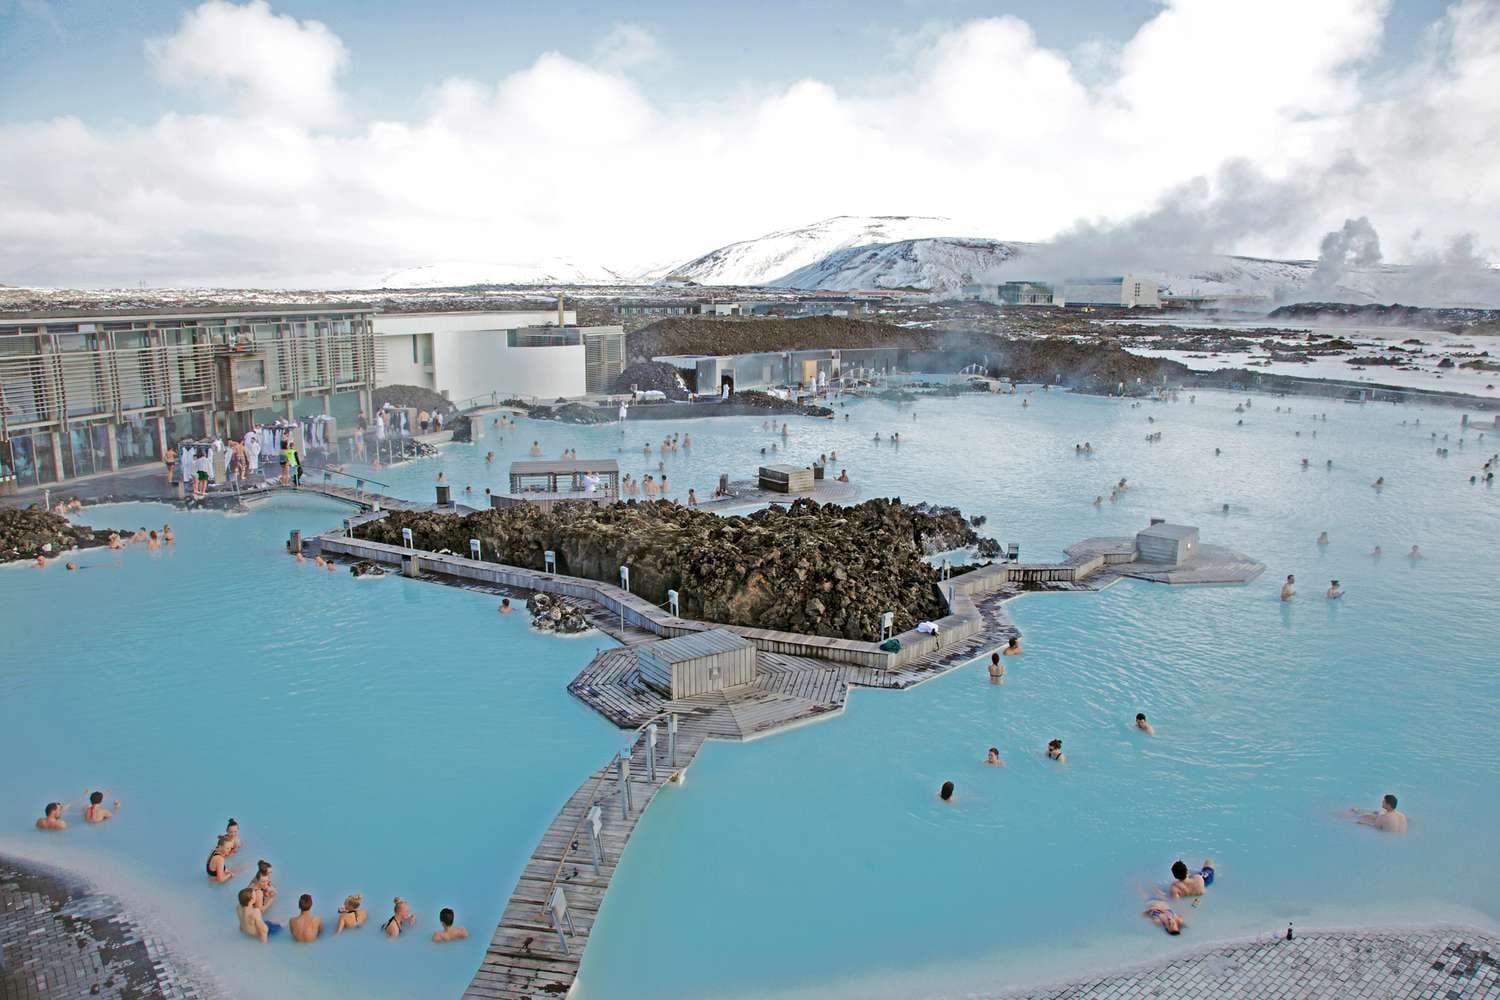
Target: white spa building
{"points": [[466, 355]]}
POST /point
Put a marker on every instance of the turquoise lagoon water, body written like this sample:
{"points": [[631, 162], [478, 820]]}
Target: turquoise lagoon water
{"points": [[377, 736], [435, 739]]}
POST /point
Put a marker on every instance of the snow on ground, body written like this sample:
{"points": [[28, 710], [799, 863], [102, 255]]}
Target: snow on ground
{"points": [[1419, 372]]}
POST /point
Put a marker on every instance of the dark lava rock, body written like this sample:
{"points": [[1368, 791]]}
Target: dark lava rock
{"points": [[366, 568], [554, 614], [649, 375], [775, 404], [411, 395], [822, 569], [28, 533], [462, 427]]}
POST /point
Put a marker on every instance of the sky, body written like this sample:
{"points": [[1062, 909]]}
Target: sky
{"points": [[332, 142]]}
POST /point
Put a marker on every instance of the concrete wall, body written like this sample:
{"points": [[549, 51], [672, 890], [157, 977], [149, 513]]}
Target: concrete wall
{"points": [[475, 362], [400, 369]]}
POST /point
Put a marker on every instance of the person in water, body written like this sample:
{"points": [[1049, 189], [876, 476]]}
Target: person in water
{"points": [[505, 607], [1323, 538], [993, 758], [997, 669], [95, 812], [946, 792], [400, 916], [265, 892], [1289, 589], [52, 816], [1159, 913], [449, 932], [1055, 751], [306, 926], [218, 861], [232, 831], [1386, 819], [1334, 590], [1415, 553], [1012, 648], [252, 921], [1186, 883], [1143, 725], [352, 914]]}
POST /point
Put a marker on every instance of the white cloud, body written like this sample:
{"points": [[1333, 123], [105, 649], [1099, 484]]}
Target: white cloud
{"points": [[273, 65], [569, 159], [626, 46]]}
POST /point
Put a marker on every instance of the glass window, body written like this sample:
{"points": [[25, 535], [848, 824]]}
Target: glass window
{"points": [[136, 442]]}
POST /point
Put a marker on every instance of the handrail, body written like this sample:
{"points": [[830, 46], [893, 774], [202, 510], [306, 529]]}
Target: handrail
{"points": [[593, 801], [349, 475]]}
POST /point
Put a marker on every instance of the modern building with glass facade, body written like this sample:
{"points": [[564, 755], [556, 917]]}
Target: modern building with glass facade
{"points": [[88, 393]]}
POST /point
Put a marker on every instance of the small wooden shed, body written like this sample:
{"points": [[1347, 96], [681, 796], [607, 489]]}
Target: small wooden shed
{"points": [[1166, 544], [696, 663], [786, 478]]}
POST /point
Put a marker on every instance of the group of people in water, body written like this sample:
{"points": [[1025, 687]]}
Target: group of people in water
{"points": [[153, 541]]}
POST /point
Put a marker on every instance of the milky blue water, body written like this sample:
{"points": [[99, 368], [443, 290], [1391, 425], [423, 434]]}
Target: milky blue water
{"points": [[393, 737], [377, 736]]}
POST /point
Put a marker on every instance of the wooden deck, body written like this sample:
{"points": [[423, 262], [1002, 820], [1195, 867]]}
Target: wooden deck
{"points": [[525, 958]]}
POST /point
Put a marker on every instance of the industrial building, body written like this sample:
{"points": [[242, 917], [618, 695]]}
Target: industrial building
{"points": [[1011, 293], [470, 355], [1129, 291], [87, 393]]}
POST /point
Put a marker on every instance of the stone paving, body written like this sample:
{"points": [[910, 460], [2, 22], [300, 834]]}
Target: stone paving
{"points": [[59, 940], [1446, 963]]}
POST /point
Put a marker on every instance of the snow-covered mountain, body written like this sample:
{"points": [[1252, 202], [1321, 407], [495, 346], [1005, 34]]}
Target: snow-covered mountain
{"points": [[939, 265], [547, 271], [769, 258]]}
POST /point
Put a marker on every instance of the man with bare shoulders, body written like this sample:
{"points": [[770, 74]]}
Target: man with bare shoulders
{"points": [[449, 932], [252, 922], [52, 817], [306, 925], [1387, 819]]}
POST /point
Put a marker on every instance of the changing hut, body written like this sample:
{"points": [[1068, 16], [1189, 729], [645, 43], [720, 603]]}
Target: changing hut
{"points": [[696, 663], [1166, 544], [786, 478]]}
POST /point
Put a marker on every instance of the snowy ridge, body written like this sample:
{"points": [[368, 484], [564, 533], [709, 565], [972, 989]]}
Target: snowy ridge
{"points": [[768, 259], [939, 265], [457, 273]]}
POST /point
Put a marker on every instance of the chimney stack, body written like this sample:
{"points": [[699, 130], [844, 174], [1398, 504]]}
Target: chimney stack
{"points": [[560, 321]]}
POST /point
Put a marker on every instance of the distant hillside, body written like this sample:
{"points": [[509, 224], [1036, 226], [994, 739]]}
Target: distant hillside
{"points": [[939, 265], [767, 259]]}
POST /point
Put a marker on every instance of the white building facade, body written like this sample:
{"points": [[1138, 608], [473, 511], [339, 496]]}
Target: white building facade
{"points": [[1130, 291], [468, 355]]}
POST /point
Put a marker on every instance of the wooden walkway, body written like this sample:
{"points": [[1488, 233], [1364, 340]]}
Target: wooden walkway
{"points": [[526, 958], [362, 499]]}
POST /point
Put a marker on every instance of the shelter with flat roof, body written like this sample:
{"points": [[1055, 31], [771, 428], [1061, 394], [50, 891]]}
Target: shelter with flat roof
{"points": [[545, 482]]}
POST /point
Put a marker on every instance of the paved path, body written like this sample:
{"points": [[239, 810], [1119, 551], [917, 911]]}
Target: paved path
{"points": [[60, 940], [1430, 964]]}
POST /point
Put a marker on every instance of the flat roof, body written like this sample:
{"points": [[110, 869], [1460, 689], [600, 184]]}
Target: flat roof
{"points": [[560, 466], [696, 645], [216, 312], [1169, 530]]}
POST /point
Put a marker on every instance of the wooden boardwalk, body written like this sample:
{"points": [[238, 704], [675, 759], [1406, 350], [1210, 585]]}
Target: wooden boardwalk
{"points": [[525, 957], [365, 500]]}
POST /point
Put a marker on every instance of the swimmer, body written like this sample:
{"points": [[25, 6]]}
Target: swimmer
{"points": [[232, 831], [1323, 538], [1378, 483], [265, 892], [352, 914], [1216, 452], [72, 567], [1304, 463], [1289, 589], [692, 498], [997, 669], [41, 562], [449, 932], [1328, 464], [843, 475], [1191, 883], [1098, 500], [1387, 819], [1012, 648], [946, 792], [218, 863], [1224, 509], [1375, 552], [505, 607], [1159, 913], [329, 565], [115, 542], [252, 921], [318, 561], [993, 758], [140, 535], [95, 812], [306, 926], [1415, 553], [1055, 751], [152, 542], [52, 816], [1143, 725], [301, 558], [401, 915], [1334, 590], [536, 449]]}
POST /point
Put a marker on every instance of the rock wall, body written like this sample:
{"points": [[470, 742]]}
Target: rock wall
{"points": [[818, 569], [28, 533]]}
